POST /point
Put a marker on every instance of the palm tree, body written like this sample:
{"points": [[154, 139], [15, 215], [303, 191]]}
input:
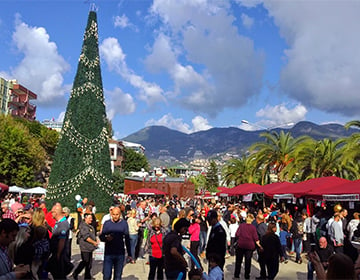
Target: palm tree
{"points": [[351, 154], [352, 123], [238, 171], [314, 159], [273, 155]]}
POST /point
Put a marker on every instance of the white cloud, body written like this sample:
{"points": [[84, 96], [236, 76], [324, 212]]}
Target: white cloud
{"points": [[247, 21], [228, 69], [277, 116], [198, 122], [118, 102], [323, 58], [121, 21], [42, 68], [124, 22], [114, 57]]}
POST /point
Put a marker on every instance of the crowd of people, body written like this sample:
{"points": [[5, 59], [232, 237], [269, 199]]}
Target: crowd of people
{"points": [[178, 235]]}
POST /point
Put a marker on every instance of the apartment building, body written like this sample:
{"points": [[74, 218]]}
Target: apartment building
{"points": [[15, 99]]}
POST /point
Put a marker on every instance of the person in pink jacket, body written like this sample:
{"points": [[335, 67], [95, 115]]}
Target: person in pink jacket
{"points": [[194, 231]]}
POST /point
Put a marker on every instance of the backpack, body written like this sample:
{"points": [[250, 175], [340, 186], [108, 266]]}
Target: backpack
{"points": [[300, 228]]}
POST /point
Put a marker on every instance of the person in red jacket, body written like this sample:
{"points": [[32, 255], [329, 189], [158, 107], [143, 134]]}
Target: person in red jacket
{"points": [[155, 243]]}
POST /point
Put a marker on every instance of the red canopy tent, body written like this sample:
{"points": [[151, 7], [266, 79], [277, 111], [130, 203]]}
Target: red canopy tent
{"points": [[346, 191], [3, 187], [243, 189], [278, 188], [147, 191], [318, 186]]}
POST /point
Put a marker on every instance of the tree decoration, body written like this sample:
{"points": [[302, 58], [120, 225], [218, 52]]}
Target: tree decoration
{"points": [[82, 158]]}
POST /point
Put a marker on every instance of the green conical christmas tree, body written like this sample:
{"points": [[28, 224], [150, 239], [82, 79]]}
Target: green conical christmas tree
{"points": [[82, 158]]}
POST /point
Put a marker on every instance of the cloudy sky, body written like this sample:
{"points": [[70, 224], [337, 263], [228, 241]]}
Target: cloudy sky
{"points": [[192, 64]]}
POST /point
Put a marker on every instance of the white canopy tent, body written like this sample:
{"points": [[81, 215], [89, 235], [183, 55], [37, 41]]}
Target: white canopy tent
{"points": [[16, 189], [37, 190]]}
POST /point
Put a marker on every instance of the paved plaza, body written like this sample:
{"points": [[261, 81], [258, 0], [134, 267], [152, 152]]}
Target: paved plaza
{"points": [[140, 270]]}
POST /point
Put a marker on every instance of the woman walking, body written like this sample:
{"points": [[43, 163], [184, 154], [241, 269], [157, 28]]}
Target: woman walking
{"points": [[272, 251], [133, 232], [155, 244], [247, 239]]}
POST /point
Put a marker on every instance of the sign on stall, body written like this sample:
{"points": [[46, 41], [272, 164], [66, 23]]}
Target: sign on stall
{"points": [[342, 197]]}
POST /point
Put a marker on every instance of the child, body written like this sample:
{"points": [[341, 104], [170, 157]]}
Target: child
{"points": [[284, 235], [215, 271], [233, 228]]}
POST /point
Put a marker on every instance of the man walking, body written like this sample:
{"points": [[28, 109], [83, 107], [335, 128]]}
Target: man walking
{"points": [[336, 234], [113, 234], [174, 260], [59, 262], [216, 243]]}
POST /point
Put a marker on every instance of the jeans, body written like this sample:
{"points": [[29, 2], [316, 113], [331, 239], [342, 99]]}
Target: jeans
{"points": [[240, 253], [113, 260], [297, 247], [310, 273], [139, 251], [283, 252], [156, 265], [86, 261], [133, 242], [202, 241]]}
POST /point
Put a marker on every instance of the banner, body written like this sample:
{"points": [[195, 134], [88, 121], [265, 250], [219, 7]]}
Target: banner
{"points": [[247, 197], [342, 197]]}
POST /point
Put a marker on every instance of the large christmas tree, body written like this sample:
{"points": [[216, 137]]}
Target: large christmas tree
{"points": [[82, 159]]}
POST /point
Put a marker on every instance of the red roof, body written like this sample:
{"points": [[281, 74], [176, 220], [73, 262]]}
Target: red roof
{"points": [[243, 189], [338, 187], [4, 187], [318, 186]]}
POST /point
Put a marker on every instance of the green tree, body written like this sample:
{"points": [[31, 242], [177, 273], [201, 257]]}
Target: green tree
{"points": [[212, 179], [171, 172], [351, 153], [48, 137], [22, 156], [314, 159], [274, 154], [82, 158], [118, 179], [134, 161], [238, 171], [199, 182]]}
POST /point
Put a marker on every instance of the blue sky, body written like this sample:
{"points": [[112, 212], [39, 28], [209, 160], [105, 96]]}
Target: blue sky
{"points": [[192, 64]]}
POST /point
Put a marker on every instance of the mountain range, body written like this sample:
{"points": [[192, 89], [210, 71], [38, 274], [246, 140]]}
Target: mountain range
{"points": [[163, 144]]}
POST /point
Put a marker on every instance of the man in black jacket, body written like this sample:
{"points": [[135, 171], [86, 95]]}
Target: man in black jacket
{"points": [[217, 238]]}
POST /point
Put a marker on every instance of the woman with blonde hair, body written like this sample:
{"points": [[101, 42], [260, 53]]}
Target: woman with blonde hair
{"points": [[247, 238], [133, 232], [38, 218], [21, 250], [182, 214]]}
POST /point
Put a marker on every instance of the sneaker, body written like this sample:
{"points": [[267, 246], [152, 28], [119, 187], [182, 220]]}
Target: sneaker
{"points": [[299, 261], [286, 261], [202, 255]]}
